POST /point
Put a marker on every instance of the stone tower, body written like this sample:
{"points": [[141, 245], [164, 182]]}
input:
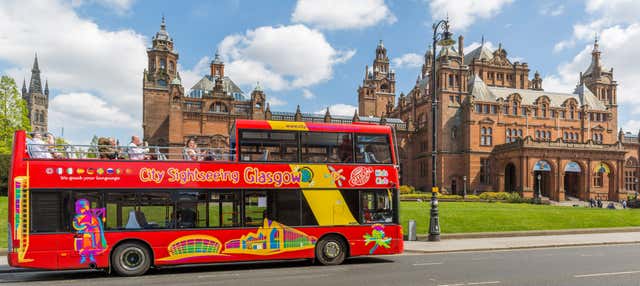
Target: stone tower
{"points": [[378, 87], [37, 100], [159, 77]]}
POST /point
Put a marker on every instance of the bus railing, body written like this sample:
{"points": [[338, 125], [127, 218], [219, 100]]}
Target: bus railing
{"points": [[111, 152]]}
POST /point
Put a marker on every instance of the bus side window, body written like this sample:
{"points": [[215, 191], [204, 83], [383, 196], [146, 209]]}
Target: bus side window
{"points": [[375, 206], [224, 209], [373, 149], [318, 147], [268, 146], [255, 207]]}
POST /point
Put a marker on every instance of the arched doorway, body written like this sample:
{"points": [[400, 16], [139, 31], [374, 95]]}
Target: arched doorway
{"points": [[542, 178], [572, 185], [510, 178], [603, 178]]}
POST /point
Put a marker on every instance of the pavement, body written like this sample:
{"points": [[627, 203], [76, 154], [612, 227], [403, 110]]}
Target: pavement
{"points": [[585, 266], [520, 242]]}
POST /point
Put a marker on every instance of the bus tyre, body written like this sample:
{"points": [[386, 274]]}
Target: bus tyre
{"points": [[331, 250], [130, 259]]}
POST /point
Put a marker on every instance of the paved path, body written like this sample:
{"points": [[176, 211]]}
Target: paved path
{"points": [[585, 266], [474, 244]]}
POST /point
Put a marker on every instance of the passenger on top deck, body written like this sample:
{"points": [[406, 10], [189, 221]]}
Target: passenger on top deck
{"points": [[137, 150], [38, 148]]}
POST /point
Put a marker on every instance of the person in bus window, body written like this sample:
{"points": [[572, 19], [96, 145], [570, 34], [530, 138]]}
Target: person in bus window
{"points": [[38, 148], [346, 149], [191, 151], [51, 141], [137, 150]]}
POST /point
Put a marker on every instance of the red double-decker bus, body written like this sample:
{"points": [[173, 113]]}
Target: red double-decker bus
{"points": [[285, 190]]}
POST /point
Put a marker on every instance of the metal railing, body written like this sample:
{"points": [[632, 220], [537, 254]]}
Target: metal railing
{"points": [[111, 152]]}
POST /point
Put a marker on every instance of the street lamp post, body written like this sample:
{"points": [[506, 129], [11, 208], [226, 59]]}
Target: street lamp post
{"points": [[464, 187], [442, 39]]}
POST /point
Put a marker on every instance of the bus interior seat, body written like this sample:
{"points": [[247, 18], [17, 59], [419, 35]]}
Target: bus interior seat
{"points": [[265, 155], [132, 222]]}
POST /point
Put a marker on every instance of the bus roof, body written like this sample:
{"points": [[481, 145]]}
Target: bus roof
{"points": [[311, 126]]}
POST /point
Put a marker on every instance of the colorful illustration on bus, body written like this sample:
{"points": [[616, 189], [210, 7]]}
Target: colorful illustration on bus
{"points": [[271, 238], [89, 241], [21, 215], [193, 246], [378, 238], [336, 175]]}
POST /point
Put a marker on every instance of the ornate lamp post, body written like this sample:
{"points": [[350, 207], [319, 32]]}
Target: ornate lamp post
{"points": [[440, 38], [464, 187]]}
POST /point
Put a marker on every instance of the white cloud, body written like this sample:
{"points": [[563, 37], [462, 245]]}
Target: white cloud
{"points": [[339, 109], [340, 14], [616, 53], [281, 57], [410, 60], [615, 11], [74, 54], [562, 45], [551, 9], [307, 94], [463, 13], [274, 101], [632, 126], [82, 115]]}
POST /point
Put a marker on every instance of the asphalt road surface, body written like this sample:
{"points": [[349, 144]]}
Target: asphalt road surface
{"points": [[597, 265]]}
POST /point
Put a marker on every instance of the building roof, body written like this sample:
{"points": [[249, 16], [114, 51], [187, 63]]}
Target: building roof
{"points": [[582, 95], [481, 52], [207, 83]]}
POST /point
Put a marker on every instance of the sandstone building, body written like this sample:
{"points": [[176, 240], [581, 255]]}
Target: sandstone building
{"points": [[499, 130], [37, 100]]}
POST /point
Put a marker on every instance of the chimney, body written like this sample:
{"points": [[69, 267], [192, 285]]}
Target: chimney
{"points": [[461, 45]]}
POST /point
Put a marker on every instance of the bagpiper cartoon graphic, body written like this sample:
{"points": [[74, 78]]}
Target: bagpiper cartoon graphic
{"points": [[377, 236], [89, 239]]}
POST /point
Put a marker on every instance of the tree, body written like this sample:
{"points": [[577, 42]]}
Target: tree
{"points": [[13, 113]]}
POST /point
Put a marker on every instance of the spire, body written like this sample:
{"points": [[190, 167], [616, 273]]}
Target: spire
{"points": [[594, 68], [24, 87], [258, 87], [46, 87], [298, 115], [381, 44], [162, 34], [217, 59], [327, 116], [355, 118], [35, 85], [595, 43], [482, 42]]}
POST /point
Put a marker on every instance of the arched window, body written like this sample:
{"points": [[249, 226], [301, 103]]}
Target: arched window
{"points": [[549, 135], [515, 108], [163, 64], [565, 136], [537, 133], [486, 136], [544, 111], [489, 136], [520, 133], [571, 113], [508, 135], [172, 66], [218, 107]]}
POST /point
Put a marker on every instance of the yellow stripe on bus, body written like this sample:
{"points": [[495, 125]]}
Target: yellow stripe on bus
{"points": [[287, 125], [327, 204]]}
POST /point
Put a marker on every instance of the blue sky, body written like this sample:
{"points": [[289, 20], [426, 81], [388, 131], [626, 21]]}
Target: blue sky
{"points": [[310, 53]]}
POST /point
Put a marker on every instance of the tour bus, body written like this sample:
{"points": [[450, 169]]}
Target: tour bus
{"points": [[283, 190]]}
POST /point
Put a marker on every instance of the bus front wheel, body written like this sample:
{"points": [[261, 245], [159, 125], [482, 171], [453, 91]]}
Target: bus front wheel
{"points": [[331, 250], [130, 259]]}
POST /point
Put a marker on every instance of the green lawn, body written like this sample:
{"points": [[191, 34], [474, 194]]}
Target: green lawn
{"points": [[461, 217]]}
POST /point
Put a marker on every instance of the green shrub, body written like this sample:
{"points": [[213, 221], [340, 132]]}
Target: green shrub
{"points": [[406, 189], [471, 197], [450, 197]]}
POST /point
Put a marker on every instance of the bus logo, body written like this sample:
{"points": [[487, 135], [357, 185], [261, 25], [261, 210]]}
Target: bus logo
{"points": [[109, 171], [59, 171], [90, 171], [100, 171], [69, 171], [360, 176], [49, 171], [80, 171]]}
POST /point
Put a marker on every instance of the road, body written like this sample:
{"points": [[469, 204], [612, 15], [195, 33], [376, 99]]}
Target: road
{"points": [[597, 265]]}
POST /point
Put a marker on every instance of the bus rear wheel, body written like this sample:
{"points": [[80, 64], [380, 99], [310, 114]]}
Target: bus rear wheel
{"points": [[130, 259], [331, 250]]}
